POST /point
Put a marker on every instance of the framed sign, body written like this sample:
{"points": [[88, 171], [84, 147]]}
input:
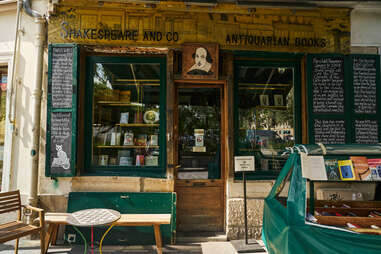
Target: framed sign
{"points": [[244, 163], [200, 61]]}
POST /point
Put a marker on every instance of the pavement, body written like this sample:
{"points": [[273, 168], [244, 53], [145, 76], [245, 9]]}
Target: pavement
{"points": [[33, 247]]}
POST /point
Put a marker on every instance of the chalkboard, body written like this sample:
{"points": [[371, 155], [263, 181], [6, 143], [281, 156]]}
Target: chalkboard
{"points": [[329, 131], [344, 91], [62, 77], [60, 142], [364, 85], [366, 131], [62, 110], [328, 84]]}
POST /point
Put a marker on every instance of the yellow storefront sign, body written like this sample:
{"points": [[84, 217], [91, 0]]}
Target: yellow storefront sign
{"points": [[170, 24]]}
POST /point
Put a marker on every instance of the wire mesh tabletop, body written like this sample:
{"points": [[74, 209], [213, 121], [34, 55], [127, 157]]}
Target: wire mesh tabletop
{"points": [[93, 217]]}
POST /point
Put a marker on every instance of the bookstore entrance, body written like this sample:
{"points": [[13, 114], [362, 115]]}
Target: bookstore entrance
{"points": [[199, 128]]}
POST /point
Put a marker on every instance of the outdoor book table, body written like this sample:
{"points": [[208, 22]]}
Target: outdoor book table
{"points": [[285, 228]]}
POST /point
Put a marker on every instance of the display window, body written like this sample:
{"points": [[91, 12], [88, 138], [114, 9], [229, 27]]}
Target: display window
{"points": [[266, 113], [125, 116]]}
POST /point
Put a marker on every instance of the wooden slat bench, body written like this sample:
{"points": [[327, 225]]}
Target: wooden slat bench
{"points": [[14, 229], [155, 220]]}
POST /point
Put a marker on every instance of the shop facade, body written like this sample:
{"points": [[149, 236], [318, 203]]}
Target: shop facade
{"points": [[156, 98]]}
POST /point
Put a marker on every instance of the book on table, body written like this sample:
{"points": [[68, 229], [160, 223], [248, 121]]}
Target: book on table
{"points": [[361, 168], [332, 169], [375, 168], [346, 170]]}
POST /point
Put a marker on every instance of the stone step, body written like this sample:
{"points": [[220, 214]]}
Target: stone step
{"points": [[197, 237]]}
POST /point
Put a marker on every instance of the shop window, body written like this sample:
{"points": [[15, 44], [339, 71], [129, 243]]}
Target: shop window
{"points": [[126, 116], [265, 114]]}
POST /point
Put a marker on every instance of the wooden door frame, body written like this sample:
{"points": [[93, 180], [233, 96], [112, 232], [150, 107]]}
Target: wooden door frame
{"points": [[222, 84]]}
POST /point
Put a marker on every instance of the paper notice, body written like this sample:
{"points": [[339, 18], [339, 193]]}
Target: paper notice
{"points": [[313, 167]]}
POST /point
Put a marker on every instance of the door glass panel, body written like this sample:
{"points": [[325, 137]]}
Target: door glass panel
{"points": [[265, 114], [199, 113]]}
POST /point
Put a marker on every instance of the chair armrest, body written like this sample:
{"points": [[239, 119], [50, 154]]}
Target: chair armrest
{"points": [[41, 213], [33, 208]]}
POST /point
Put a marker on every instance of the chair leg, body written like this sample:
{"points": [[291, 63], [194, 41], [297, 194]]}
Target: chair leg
{"points": [[17, 245]]}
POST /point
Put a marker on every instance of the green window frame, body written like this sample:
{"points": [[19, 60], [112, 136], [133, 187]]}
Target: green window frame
{"points": [[158, 171], [275, 60]]}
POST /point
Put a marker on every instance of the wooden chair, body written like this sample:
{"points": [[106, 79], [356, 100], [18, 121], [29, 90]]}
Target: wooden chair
{"points": [[14, 229]]}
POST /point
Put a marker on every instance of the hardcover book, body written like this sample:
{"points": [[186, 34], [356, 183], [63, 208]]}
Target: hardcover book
{"points": [[362, 171], [332, 169], [346, 170]]}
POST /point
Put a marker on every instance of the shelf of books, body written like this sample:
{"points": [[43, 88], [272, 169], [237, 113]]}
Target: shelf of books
{"points": [[126, 126], [344, 193]]}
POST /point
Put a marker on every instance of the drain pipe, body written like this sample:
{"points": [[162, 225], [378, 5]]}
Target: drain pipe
{"points": [[12, 94], [36, 99]]}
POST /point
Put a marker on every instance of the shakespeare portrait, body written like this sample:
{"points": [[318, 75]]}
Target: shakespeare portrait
{"points": [[200, 61]]}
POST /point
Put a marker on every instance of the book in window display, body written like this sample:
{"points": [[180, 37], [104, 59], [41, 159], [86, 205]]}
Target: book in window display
{"points": [[141, 140], [128, 138], [139, 160], [115, 138], [125, 96], [103, 160], [124, 117], [151, 160], [153, 140]]}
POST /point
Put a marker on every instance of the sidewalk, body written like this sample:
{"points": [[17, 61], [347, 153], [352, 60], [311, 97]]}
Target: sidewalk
{"points": [[33, 247]]}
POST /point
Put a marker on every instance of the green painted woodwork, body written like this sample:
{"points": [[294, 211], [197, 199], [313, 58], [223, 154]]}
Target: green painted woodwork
{"points": [[126, 202], [348, 115], [116, 170], [73, 110], [285, 60]]}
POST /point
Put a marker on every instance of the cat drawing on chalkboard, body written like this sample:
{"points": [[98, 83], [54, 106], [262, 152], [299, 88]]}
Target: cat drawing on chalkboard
{"points": [[62, 160]]}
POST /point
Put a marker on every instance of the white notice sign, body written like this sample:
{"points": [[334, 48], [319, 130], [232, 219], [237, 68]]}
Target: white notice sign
{"points": [[313, 167], [244, 163]]}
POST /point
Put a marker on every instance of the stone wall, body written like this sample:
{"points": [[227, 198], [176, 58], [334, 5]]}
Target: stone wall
{"points": [[235, 228]]}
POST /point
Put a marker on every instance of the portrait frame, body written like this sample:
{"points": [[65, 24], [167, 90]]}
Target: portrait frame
{"points": [[278, 100], [200, 61], [264, 100]]}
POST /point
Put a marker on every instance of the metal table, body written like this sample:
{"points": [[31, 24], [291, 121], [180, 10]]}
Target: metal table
{"points": [[90, 218]]}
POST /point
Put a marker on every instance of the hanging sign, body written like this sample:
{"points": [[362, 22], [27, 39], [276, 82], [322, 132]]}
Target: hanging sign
{"points": [[244, 163]]}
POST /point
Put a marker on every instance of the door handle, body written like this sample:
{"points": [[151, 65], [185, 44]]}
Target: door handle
{"points": [[177, 166]]}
